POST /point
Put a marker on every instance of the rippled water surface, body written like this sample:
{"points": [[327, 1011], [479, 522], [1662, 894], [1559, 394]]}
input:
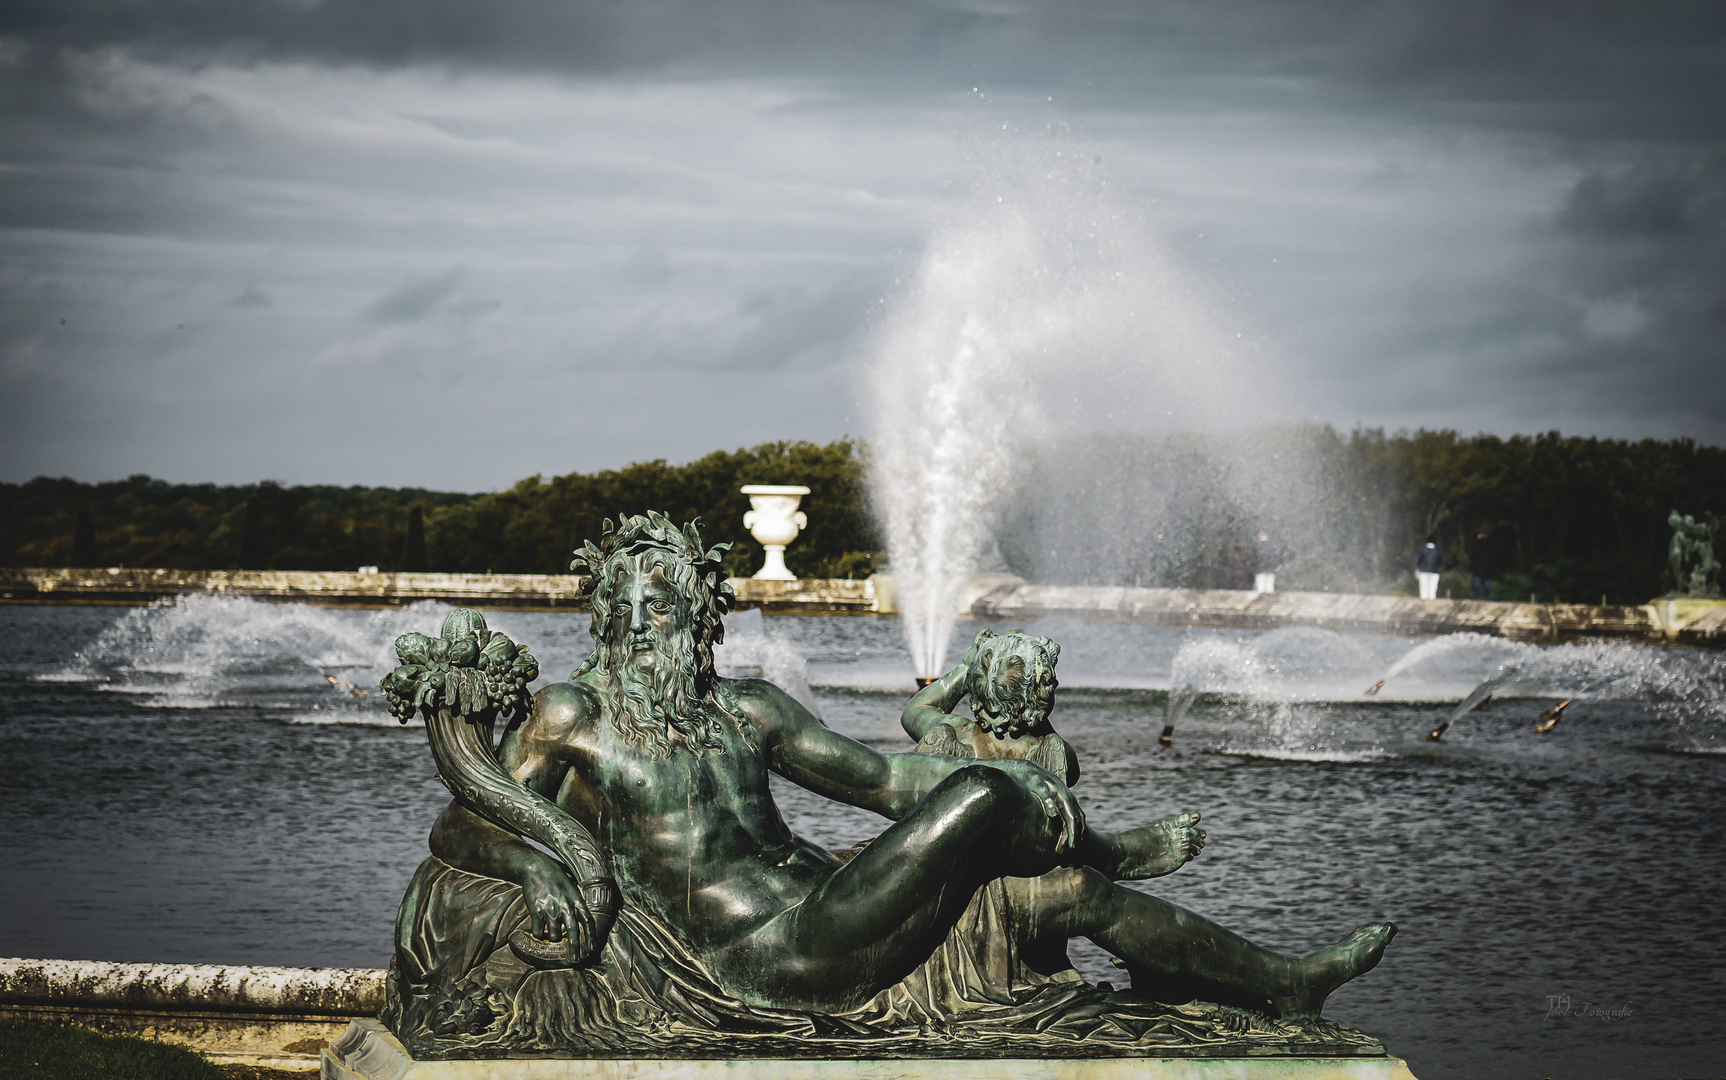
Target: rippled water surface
{"points": [[186, 783]]}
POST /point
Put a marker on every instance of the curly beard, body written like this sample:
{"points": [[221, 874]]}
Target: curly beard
{"points": [[658, 708]]}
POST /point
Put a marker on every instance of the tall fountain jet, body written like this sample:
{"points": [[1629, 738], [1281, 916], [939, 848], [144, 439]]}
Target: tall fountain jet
{"points": [[1040, 307], [952, 402]]}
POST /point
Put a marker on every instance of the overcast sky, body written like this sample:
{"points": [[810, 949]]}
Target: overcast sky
{"points": [[451, 244]]}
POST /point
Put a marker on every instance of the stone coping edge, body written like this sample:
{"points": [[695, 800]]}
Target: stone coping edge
{"points": [[1665, 621], [198, 988], [367, 1051], [542, 592]]}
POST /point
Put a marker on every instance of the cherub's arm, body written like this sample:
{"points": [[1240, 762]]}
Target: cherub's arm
{"points": [[933, 704]]}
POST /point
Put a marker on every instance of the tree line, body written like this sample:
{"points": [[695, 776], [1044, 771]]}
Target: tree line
{"points": [[1572, 518], [529, 528], [1569, 519]]}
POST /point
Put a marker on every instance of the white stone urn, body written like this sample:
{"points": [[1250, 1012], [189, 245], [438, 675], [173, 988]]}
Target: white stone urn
{"points": [[774, 522]]}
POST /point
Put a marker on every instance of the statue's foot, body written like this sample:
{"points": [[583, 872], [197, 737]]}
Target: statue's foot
{"points": [[1162, 847], [1317, 974]]}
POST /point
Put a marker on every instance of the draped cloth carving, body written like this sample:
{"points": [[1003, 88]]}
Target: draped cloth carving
{"points": [[457, 990]]}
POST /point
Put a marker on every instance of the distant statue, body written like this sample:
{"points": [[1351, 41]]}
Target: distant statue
{"points": [[615, 877], [1694, 567]]}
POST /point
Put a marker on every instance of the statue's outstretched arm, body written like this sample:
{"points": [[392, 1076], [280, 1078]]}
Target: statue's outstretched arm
{"points": [[813, 756]]}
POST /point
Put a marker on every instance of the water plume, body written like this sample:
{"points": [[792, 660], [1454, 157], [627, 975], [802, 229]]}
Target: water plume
{"points": [[1039, 306]]}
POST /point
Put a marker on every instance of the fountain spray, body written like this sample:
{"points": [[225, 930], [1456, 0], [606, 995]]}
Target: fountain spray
{"points": [[952, 399]]}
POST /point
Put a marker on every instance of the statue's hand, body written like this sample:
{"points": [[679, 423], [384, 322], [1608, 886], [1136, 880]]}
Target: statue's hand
{"points": [[556, 909], [1058, 802]]}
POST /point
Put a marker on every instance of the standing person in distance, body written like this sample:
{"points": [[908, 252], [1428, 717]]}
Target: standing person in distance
{"points": [[1428, 564]]}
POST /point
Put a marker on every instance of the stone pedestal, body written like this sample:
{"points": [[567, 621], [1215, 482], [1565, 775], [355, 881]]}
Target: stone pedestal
{"points": [[367, 1051]]}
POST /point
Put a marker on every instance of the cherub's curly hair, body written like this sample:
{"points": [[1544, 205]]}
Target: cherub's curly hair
{"points": [[697, 574], [1012, 681]]}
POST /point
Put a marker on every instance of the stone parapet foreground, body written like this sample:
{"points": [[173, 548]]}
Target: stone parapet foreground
{"points": [[271, 1017], [367, 1051], [306, 1019]]}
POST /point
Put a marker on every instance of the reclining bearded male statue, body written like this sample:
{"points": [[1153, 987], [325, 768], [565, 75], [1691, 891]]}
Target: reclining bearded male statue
{"points": [[677, 915]]}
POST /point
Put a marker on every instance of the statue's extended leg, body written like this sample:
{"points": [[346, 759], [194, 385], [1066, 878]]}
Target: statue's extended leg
{"points": [[880, 915], [1162, 847], [1183, 955]]}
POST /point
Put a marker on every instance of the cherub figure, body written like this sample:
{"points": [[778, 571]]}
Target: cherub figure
{"points": [[1011, 682]]}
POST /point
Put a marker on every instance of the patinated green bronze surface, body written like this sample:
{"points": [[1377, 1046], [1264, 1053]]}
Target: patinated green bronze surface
{"points": [[1694, 567], [614, 878]]}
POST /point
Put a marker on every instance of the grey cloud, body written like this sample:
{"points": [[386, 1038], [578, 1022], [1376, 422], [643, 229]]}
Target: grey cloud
{"points": [[1651, 199], [1489, 215], [416, 299], [1527, 50]]}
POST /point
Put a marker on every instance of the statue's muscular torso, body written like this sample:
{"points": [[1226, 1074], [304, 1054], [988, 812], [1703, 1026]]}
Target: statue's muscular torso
{"points": [[695, 839]]}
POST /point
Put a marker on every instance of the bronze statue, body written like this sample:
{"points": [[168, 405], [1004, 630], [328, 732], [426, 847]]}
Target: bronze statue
{"points": [[1694, 566], [1011, 682], [615, 877]]}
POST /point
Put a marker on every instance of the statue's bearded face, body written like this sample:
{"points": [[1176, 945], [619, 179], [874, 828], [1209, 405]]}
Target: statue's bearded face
{"points": [[650, 653]]}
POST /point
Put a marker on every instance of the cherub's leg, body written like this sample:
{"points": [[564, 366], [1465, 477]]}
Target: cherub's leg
{"points": [[880, 915], [1177, 955]]}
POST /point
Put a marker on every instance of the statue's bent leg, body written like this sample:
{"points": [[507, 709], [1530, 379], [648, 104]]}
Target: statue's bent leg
{"points": [[880, 915], [1177, 955]]}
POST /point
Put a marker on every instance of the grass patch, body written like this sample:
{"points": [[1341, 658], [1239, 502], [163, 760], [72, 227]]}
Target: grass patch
{"points": [[30, 1050]]}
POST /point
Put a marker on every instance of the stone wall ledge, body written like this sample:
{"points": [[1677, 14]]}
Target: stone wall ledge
{"points": [[218, 988], [1678, 621], [268, 1017], [126, 585], [1683, 622]]}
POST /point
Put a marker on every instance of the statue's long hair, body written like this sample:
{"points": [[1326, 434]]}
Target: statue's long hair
{"points": [[687, 688]]}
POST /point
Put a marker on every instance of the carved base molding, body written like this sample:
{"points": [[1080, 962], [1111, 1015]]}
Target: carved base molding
{"points": [[367, 1051]]}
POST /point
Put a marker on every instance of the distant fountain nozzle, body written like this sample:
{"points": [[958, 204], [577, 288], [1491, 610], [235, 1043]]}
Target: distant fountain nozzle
{"points": [[1180, 699], [925, 680], [1549, 719], [1477, 697]]}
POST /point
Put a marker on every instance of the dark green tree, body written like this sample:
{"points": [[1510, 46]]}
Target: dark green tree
{"points": [[253, 552], [84, 540], [414, 547]]}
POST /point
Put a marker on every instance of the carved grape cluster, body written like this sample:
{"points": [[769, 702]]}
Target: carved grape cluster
{"points": [[467, 669]]}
